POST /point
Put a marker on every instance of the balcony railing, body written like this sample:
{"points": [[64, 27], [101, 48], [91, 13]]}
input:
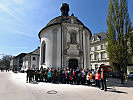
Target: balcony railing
{"points": [[100, 59]]}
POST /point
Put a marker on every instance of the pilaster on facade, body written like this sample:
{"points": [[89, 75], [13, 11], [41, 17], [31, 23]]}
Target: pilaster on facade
{"points": [[55, 30], [64, 30]]}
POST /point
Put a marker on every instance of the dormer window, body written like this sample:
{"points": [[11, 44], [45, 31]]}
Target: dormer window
{"points": [[98, 38], [34, 58]]}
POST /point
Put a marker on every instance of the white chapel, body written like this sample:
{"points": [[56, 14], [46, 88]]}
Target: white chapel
{"points": [[65, 42]]}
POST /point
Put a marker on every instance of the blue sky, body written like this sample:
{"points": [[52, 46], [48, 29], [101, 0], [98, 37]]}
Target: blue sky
{"points": [[21, 20]]}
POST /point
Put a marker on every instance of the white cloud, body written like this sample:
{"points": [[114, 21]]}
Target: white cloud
{"points": [[18, 19], [10, 12], [23, 33]]}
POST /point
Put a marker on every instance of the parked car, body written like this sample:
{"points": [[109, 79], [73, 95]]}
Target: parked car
{"points": [[110, 74], [130, 75], [116, 74]]}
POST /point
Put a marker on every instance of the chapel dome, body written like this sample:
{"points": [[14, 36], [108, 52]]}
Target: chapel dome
{"points": [[64, 18]]}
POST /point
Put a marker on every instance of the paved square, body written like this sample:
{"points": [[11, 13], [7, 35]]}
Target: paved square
{"points": [[14, 87]]}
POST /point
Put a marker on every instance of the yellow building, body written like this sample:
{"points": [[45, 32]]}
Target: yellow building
{"points": [[98, 54]]}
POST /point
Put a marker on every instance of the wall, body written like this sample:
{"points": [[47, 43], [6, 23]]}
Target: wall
{"points": [[99, 61], [52, 51]]}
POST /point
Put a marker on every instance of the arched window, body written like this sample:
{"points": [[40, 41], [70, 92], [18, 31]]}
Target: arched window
{"points": [[43, 52], [73, 38]]}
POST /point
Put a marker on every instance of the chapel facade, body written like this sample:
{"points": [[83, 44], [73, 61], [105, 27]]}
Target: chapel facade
{"points": [[65, 42]]}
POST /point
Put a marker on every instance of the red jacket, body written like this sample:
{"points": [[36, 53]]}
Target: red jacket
{"points": [[97, 76]]}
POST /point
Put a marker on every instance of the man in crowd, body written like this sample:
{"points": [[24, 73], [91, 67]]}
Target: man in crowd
{"points": [[104, 79], [28, 78]]}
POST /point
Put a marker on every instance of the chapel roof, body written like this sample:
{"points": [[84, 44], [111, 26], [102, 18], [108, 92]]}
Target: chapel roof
{"points": [[64, 18]]}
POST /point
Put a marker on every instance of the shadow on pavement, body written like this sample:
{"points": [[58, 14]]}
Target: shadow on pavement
{"points": [[117, 82], [116, 91]]}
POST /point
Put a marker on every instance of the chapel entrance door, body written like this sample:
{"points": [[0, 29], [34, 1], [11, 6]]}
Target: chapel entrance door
{"points": [[73, 63]]}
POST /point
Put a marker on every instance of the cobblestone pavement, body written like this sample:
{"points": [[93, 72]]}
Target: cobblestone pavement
{"points": [[14, 87]]}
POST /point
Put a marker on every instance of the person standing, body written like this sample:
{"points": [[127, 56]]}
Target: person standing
{"points": [[67, 76], [97, 78], [104, 79], [54, 75], [41, 74], [77, 72], [91, 78], [28, 75], [60, 75], [122, 76], [45, 75], [64, 76], [33, 74], [49, 76], [36, 75], [74, 77], [71, 76], [83, 79], [88, 78]]}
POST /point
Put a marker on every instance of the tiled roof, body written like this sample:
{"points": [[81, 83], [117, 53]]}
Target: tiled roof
{"points": [[100, 35]]}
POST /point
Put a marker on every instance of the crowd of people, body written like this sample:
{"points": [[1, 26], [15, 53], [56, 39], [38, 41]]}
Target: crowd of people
{"points": [[68, 76], [2, 69]]}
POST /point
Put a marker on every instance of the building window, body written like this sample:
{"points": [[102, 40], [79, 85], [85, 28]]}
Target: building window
{"points": [[90, 49], [91, 66], [102, 47], [73, 38], [96, 48], [102, 55], [96, 66], [95, 38], [90, 57], [43, 52], [34, 58], [95, 56]]}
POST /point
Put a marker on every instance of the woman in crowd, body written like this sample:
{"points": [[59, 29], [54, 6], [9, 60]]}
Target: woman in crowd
{"points": [[49, 76], [91, 78], [88, 78], [97, 78]]}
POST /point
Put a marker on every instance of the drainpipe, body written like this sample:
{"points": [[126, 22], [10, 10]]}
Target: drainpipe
{"points": [[61, 44], [83, 49]]}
